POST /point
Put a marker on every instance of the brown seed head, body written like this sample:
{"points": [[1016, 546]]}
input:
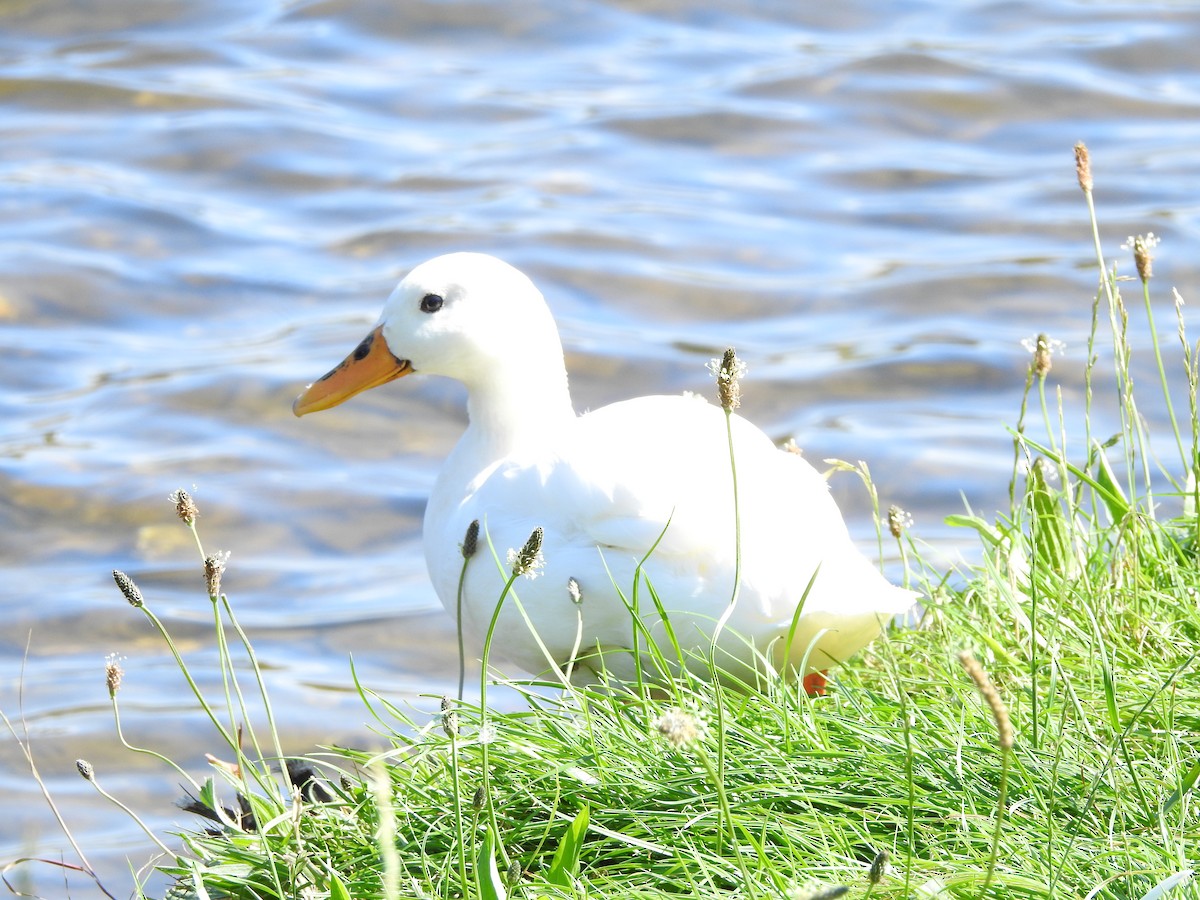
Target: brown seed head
{"points": [[1083, 167], [1142, 257], [527, 560], [113, 673], [991, 696], [214, 568], [185, 506], [471, 540], [85, 769], [898, 520], [128, 588], [1043, 349], [1042, 357], [729, 372], [878, 867]]}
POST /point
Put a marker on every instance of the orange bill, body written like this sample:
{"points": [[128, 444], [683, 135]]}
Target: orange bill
{"points": [[370, 365]]}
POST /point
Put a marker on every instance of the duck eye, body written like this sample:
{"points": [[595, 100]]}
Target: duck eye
{"points": [[431, 303]]}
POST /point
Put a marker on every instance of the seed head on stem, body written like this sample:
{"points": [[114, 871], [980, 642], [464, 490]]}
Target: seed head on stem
{"points": [[879, 867], [1043, 349], [128, 589], [214, 568], [729, 370], [1083, 167], [470, 540], [185, 506], [991, 697], [528, 561], [113, 673], [898, 521], [1143, 258], [449, 718]]}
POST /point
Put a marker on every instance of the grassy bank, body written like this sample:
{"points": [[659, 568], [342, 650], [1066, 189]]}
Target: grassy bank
{"points": [[1038, 734]]}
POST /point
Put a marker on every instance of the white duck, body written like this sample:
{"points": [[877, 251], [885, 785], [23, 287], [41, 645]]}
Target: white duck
{"points": [[607, 488]]}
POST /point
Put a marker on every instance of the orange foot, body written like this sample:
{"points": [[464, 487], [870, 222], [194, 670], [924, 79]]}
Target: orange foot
{"points": [[814, 684]]}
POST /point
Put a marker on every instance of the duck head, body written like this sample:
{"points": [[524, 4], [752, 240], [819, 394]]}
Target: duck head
{"points": [[468, 316]]}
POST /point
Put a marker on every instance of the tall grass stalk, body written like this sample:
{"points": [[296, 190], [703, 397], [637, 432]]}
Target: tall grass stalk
{"points": [[1164, 381], [154, 754], [729, 371], [87, 772], [729, 394], [469, 546]]}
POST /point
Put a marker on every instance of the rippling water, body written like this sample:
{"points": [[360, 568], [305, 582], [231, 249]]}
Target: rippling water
{"points": [[203, 205]]}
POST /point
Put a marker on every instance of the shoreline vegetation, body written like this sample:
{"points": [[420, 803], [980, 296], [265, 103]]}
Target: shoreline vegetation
{"points": [[1036, 734]]}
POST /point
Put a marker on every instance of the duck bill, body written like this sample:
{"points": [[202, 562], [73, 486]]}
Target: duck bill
{"points": [[370, 365]]}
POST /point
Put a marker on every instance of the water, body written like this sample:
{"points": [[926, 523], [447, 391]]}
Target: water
{"points": [[203, 204]]}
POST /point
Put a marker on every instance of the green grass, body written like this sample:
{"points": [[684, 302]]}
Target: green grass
{"points": [[1083, 614]]}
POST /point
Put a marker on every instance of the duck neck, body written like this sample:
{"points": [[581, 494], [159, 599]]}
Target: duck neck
{"points": [[515, 406]]}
